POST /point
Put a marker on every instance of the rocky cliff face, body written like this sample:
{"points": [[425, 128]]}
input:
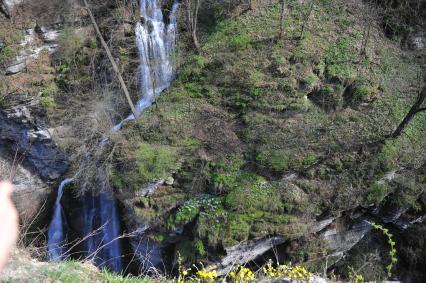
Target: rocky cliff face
{"points": [[30, 159]]}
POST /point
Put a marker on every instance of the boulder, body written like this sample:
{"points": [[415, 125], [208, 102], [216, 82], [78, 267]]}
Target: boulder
{"points": [[341, 237], [16, 68], [247, 252]]}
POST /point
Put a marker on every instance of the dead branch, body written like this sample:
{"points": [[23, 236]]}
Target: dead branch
{"points": [[111, 59]]}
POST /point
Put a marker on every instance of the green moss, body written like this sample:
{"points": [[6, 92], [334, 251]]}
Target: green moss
{"points": [[252, 192], [155, 162]]}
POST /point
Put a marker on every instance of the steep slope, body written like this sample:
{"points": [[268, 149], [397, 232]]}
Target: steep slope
{"points": [[261, 148], [265, 136]]}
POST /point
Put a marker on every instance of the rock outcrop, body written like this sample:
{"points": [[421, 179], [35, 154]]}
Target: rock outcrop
{"points": [[30, 158], [35, 41]]}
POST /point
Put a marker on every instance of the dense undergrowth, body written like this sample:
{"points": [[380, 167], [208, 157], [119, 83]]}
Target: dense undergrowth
{"points": [[253, 109], [258, 136]]}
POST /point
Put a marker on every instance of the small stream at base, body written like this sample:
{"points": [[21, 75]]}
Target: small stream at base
{"points": [[98, 238]]}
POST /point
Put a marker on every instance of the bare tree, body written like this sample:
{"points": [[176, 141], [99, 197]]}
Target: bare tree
{"points": [[306, 20], [111, 59], [415, 109], [282, 19], [251, 4], [192, 8]]}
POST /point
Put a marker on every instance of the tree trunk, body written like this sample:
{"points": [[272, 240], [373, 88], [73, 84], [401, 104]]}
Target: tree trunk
{"points": [[416, 108], [305, 22], [111, 59], [282, 19], [192, 19]]}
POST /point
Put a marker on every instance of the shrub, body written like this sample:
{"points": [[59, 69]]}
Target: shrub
{"points": [[376, 193], [69, 42], [240, 42], [276, 159], [310, 79], [363, 92], [388, 156], [155, 162], [7, 54], [239, 229], [226, 172]]}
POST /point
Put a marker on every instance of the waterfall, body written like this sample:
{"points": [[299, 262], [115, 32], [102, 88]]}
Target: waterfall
{"points": [[156, 45], [56, 235], [100, 236], [102, 231]]}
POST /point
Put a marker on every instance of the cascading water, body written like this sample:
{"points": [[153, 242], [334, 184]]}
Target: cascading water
{"points": [[102, 231], [156, 44], [56, 235]]}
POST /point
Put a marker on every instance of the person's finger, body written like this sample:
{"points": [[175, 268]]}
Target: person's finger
{"points": [[6, 189]]}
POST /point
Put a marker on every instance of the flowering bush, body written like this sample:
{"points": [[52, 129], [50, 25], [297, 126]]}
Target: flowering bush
{"points": [[242, 275], [294, 273]]}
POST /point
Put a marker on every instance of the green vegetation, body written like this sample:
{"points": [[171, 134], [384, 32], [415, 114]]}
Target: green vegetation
{"points": [[392, 250], [276, 159], [251, 110], [65, 272], [340, 59], [311, 79], [261, 136], [155, 162], [376, 193]]}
